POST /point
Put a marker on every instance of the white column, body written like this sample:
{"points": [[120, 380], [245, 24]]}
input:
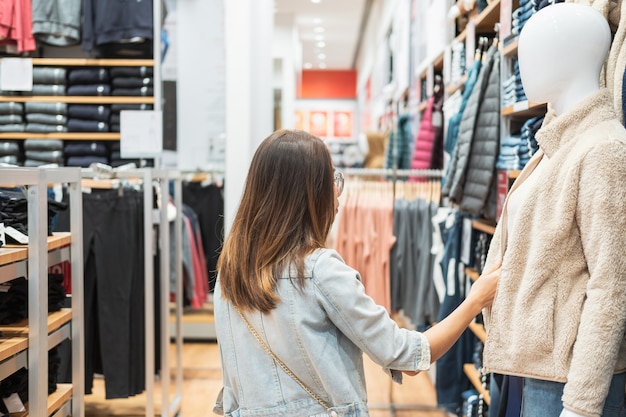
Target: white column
{"points": [[249, 96], [287, 53]]}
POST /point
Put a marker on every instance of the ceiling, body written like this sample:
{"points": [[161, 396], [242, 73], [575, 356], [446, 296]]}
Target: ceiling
{"points": [[342, 22]]}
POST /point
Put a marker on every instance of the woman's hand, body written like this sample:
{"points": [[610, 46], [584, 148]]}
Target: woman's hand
{"points": [[483, 290]]}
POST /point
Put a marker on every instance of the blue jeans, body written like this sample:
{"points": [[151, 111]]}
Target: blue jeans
{"points": [[543, 398]]}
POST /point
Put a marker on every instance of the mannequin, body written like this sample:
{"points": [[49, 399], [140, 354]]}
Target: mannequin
{"points": [[559, 62], [562, 226]]}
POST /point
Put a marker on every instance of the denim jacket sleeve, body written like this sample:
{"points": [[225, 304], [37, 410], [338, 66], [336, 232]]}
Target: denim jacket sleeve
{"points": [[364, 322]]}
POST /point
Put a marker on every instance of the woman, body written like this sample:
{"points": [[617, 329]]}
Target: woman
{"points": [[303, 302]]}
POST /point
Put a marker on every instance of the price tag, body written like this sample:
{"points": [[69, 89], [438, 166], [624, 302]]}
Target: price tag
{"points": [[16, 74], [141, 133], [15, 234], [520, 106], [14, 404]]}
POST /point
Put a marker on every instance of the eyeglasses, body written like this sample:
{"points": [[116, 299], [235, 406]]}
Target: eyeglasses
{"points": [[338, 179]]}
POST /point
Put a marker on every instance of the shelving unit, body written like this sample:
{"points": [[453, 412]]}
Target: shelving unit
{"points": [[483, 225], [474, 377], [26, 344]]}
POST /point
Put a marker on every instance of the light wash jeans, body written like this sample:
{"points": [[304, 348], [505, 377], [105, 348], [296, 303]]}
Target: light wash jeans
{"points": [[543, 398]]}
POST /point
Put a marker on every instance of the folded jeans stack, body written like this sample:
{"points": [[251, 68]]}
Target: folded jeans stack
{"points": [[88, 82], [10, 152], [83, 154], [12, 117], [132, 81], [43, 151], [45, 117]]}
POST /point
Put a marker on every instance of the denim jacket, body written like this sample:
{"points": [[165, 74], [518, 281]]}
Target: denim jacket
{"points": [[320, 332]]}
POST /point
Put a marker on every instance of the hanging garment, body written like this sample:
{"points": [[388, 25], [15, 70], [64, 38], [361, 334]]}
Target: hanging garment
{"points": [[16, 25], [57, 22], [479, 190], [428, 151]]}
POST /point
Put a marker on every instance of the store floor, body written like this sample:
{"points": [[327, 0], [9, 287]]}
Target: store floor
{"points": [[202, 381]]}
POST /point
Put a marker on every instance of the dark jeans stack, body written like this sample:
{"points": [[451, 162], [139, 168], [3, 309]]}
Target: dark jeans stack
{"points": [[132, 81], [88, 82], [84, 153], [10, 152], [47, 81], [43, 151], [88, 118], [14, 298], [45, 117], [11, 117]]}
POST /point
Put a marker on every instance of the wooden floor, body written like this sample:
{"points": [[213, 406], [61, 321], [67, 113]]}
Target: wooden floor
{"points": [[202, 381]]}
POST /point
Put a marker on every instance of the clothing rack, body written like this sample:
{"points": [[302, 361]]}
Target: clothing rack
{"points": [[169, 407], [393, 173]]}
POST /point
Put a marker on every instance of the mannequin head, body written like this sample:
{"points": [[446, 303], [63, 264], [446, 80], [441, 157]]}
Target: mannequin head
{"points": [[561, 50]]}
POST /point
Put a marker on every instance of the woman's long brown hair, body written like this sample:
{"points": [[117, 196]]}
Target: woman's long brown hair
{"points": [[286, 211]]}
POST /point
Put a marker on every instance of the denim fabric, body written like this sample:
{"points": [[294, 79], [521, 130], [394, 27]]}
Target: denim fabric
{"points": [[7, 119], [9, 147], [48, 108], [85, 148], [543, 398], [85, 161], [46, 118], [81, 125], [131, 72], [48, 90], [89, 90], [89, 112], [16, 127], [47, 156], [133, 92], [11, 108], [88, 76], [320, 331], [9, 159], [116, 108], [43, 144], [43, 128], [49, 75], [131, 82]]}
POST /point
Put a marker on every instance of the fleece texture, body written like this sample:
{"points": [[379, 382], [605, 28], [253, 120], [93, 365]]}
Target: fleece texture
{"points": [[560, 309]]}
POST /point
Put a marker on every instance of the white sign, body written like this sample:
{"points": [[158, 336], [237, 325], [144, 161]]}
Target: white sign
{"points": [[16, 74], [141, 133]]}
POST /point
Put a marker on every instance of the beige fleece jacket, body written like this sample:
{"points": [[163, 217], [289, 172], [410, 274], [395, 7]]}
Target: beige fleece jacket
{"points": [[560, 309]]}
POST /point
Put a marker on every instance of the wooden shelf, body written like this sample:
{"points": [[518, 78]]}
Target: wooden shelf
{"points": [[510, 49], [62, 135], [474, 377], [486, 226], [55, 400], [55, 321], [20, 252], [80, 99], [438, 62], [12, 345], [487, 19], [422, 106], [485, 22], [92, 62], [472, 273], [479, 330], [514, 174], [524, 109]]}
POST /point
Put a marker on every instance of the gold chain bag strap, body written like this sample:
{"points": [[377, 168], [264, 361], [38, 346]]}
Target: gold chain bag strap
{"points": [[281, 363]]}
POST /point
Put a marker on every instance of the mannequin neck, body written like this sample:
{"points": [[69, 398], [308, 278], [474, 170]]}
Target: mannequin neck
{"points": [[576, 92]]}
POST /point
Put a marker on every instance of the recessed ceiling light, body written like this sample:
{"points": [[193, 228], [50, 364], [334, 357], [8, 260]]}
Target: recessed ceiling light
{"points": [[321, 44], [317, 20], [308, 65], [318, 29], [319, 37], [316, 1], [321, 56], [321, 65]]}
